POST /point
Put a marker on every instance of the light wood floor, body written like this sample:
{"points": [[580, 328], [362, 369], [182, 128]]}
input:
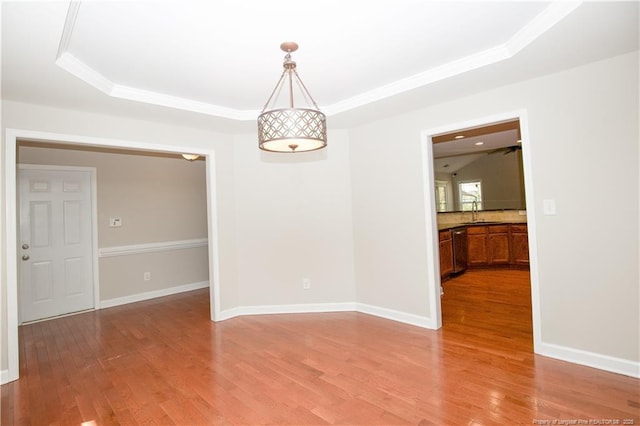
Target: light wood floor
{"points": [[164, 362]]}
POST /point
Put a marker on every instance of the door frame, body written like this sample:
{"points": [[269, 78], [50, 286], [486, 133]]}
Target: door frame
{"points": [[12, 136], [95, 276], [433, 275]]}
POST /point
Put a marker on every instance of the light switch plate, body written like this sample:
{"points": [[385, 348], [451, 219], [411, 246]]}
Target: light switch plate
{"points": [[115, 222], [549, 207]]}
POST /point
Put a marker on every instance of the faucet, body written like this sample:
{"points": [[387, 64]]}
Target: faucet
{"points": [[474, 211]]}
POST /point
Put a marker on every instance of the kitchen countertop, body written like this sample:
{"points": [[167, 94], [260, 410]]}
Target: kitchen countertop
{"points": [[445, 226]]}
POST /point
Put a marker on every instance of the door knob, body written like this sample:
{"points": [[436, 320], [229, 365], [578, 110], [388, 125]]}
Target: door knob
{"points": [[25, 246], [25, 257]]}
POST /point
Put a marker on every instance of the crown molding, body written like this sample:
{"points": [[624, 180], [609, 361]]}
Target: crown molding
{"points": [[156, 98], [75, 66], [450, 69], [550, 16], [546, 19], [67, 30]]}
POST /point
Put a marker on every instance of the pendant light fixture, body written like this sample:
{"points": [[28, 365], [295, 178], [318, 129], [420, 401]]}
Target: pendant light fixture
{"points": [[291, 129]]}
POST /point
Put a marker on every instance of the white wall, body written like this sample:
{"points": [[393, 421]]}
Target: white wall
{"points": [[583, 129], [388, 217], [293, 218]]}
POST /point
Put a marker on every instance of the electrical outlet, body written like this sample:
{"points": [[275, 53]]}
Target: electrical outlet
{"points": [[147, 276], [306, 283]]}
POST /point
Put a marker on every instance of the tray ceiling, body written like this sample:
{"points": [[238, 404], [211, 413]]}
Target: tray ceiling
{"points": [[164, 60], [223, 57]]}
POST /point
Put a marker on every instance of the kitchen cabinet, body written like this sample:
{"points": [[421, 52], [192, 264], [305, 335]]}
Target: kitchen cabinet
{"points": [[494, 245], [519, 244], [498, 245], [477, 246], [446, 253]]}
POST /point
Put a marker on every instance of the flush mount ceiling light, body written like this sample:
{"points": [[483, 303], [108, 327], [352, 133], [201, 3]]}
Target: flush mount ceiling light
{"points": [[190, 157], [291, 129]]}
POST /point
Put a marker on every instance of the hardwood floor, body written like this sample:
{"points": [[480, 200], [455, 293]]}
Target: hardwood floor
{"points": [[164, 362]]}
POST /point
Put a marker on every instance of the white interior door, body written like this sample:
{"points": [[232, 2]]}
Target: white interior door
{"points": [[55, 242]]}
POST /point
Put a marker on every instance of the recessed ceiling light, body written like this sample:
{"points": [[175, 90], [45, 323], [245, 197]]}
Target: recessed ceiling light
{"points": [[479, 143], [459, 137]]}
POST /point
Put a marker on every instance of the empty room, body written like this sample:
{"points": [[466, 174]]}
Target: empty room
{"points": [[283, 212]]}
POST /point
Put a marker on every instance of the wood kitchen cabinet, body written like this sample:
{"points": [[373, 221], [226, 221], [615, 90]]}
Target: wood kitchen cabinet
{"points": [[498, 245], [477, 246], [446, 253], [519, 244]]}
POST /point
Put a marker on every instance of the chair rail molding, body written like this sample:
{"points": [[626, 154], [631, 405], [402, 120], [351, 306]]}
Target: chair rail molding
{"points": [[152, 247]]}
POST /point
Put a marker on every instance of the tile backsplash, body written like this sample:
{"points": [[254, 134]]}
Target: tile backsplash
{"points": [[483, 216]]}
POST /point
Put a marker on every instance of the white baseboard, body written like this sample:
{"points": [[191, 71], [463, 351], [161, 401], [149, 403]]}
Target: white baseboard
{"points": [[287, 309], [399, 316], [590, 359], [329, 307], [152, 294], [4, 377]]}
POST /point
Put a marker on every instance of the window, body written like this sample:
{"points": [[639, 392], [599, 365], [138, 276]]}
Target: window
{"points": [[442, 201], [470, 193]]}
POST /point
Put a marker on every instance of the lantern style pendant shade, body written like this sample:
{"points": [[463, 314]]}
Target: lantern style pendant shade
{"points": [[291, 129]]}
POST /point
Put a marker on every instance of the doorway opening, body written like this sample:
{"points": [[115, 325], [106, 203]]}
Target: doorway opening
{"points": [[477, 177], [13, 136]]}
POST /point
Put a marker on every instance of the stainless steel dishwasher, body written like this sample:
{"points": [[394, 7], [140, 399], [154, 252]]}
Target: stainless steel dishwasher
{"points": [[459, 249]]}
